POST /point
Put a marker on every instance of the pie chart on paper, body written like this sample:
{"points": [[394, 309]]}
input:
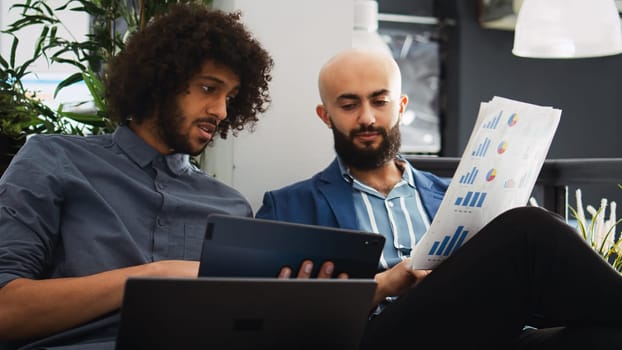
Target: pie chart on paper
{"points": [[492, 173], [513, 120]]}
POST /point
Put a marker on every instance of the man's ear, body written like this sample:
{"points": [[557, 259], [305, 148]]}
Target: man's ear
{"points": [[321, 112], [403, 103]]}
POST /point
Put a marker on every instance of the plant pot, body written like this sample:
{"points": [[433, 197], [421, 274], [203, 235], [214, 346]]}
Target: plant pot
{"points": [[8, 147]]}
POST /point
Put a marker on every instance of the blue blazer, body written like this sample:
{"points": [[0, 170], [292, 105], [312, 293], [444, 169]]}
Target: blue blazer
{"points": [[326, 199]]}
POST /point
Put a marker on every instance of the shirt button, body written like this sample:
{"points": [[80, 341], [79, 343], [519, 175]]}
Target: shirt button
{"points": [[390, 204], [160, 186]]}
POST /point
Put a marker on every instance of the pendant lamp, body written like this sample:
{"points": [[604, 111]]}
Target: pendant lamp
{"points": [[567, 29], [365, 29]]}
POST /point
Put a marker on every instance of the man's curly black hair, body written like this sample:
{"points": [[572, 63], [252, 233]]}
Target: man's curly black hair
{"points": [[158, 62]]}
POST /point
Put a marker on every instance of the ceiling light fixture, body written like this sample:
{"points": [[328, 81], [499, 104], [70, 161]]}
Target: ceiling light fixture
{"points": [[567, 29]]}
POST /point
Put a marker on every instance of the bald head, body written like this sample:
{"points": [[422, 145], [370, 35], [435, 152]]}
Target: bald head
{"points": [[351, 67], [362, 103]]}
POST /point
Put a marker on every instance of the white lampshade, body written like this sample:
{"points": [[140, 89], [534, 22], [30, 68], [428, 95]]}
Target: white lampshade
{"points": [[365, 30], [567, 29]]}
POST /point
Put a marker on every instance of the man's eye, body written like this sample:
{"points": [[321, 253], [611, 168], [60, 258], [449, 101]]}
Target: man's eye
{"points": [[380, 102], [348, 107], [230, 99], [208, 89]]}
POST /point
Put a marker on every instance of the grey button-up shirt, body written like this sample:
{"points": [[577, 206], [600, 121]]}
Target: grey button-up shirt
{"points": [[74, 206]]}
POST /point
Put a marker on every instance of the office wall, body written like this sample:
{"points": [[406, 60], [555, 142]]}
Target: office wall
{"points": [[289, 143]]}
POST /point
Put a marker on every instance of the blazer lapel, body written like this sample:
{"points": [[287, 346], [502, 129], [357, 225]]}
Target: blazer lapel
{"points": [[338, 194], [430, 195]]}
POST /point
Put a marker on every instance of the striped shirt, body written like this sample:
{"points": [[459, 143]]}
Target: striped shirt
{"points": [[399, 216]]}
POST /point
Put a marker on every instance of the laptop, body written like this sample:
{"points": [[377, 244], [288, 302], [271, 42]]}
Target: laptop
{"points": [[233, 313], [246, 247]]}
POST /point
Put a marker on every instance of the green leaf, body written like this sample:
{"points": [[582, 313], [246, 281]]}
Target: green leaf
{"points": [[68, 61], [4, 63], [22, 70], [13, 51], [96, 88], [90, 9], [53, 33], [29, 20], [582, 229], [47, 9], [72, 79], [41, 40]]}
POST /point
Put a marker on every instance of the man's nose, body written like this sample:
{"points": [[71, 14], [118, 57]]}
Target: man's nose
{"points": [[366, 117], [219, 108]]}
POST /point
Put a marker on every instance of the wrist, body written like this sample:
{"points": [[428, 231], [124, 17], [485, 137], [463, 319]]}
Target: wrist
{"points": [[380, 294]]}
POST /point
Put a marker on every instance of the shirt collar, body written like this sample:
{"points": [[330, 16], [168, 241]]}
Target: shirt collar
{"points": [[143, 154], [407, 175], [345, 171]]}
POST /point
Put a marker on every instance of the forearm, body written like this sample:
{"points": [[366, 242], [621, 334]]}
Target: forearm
{"points": [[35, 308]]}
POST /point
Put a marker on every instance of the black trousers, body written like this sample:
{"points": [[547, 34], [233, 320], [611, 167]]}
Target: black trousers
{"points": [[526, 265]]}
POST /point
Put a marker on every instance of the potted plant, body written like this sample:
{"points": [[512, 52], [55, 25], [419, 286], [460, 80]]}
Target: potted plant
{"points": [[21, 112], [600, 232], [17, 114]]}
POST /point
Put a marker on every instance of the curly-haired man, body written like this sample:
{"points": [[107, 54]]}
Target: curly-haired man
{"points": [[79, 215]]}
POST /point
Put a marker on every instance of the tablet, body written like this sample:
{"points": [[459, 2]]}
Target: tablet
{"points": [[247, 247]]}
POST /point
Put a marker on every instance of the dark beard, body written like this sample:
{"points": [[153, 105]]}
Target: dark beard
{"points": [[171, 120], [367, 159]]}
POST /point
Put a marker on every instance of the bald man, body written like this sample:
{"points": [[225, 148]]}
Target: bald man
{"points": [[484, 294]]}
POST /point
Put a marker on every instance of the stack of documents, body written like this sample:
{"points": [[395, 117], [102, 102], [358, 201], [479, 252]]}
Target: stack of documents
{"points": [[497, 172]]}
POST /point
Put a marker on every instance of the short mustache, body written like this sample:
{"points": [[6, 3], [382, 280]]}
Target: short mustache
{"points": [[211, 120], [368, 128]]}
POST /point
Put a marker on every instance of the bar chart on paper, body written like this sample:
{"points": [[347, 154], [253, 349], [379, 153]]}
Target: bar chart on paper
{"points": [[494, 122], [469, 177], [471, 199], [449, 244], [482, 148]]}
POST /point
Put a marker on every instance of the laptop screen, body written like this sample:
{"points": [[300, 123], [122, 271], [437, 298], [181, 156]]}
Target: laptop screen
{"points": [[233, 313]]}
